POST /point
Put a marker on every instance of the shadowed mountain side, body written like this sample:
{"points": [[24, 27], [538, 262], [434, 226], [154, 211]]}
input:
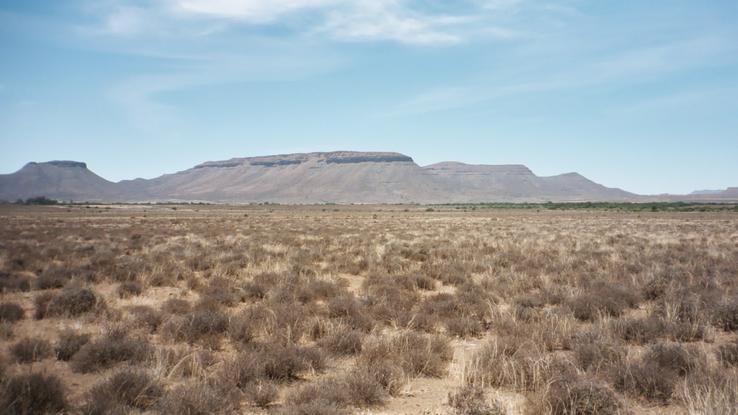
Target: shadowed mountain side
{"points": [[341, 177], [64, 180], [518, 183]]}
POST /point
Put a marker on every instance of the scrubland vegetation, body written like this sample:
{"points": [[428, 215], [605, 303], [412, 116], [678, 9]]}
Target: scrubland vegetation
{"points": [[308, 310]]}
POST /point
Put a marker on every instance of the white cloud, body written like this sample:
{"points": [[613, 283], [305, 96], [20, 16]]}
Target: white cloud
{"points": [[402, 21], [127, 21], [390, 20], [258, 11]]}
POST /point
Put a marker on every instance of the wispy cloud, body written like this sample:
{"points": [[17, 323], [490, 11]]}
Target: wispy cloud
{"points": [[143, 97], [618, 69], [391, 20], [402, 21], [255, 11]]}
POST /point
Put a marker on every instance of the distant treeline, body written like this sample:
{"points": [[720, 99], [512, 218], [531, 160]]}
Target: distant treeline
{"points": [[617, 206], [38, 200]]}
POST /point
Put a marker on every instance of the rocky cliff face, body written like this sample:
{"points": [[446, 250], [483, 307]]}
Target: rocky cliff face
{"points": [[341, 177]]}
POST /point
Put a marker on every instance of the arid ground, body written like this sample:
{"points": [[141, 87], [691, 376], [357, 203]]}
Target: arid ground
{"points": [[366, 309]]}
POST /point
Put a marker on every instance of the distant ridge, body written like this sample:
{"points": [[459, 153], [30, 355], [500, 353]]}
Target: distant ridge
{"points": [[338, 177]]}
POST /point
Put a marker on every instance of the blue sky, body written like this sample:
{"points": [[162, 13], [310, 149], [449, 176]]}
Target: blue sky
{"points": [[636, 94]]}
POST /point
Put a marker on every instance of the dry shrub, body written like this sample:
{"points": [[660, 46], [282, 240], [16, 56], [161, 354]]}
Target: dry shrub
{"points": [[655, 375], [71, 302], [688, 305], [53, 277], [145, 317], [389, 303], [464, 312], [129, 289], [728, 354], [272, 362], [638, 330], [10, 283], [364, 389], [69, 343], [111, 349], [423, 322], [11, 312], [348, 309], [421, 282], [598, 354], [200, 398], [726, 315], [472, 400], [314, 407], [686, 331], [473, 301], [29, 350], [261, 393], [464, 327], [675, 357], [127, 388], [415, 354], [522, 366], [222, 291], [6, 330], [41, 304], [318, 290], [176, 306], [32, 393], [581, 396], [710, 392], [603, 300], [527, 303], [182, 361], [555, 331], [356, 388], [387, 374], [288, 321], [286, 363], [449, 271], [255, 290], [656, 287], [646, 380], [241, 327], [318, 327], [342, 340], [198, 326]]}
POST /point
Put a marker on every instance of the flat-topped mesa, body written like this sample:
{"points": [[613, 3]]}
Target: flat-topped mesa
{"points": [[61, 163], [454, 168], [335, 157], [219, 164]]}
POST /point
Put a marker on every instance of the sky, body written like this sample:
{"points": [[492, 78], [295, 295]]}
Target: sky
{"points": [[641, 95]]}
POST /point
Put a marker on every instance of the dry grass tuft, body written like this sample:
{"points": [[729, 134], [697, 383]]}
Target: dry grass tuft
{"points": [[69, 344], [472, 400], [33, 393], [11, 312], [109, 350], [123, 391], [29, 350]]}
